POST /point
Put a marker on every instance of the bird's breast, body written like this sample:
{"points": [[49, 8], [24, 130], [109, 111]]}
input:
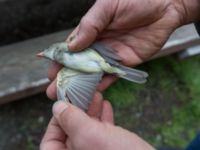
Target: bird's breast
{"points": [[81, 62]]}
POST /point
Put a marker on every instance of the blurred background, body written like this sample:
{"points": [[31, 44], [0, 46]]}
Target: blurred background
{"points": [[165, 111]]}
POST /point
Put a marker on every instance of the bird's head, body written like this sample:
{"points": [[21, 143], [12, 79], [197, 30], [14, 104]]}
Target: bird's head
{"points": [[53, 50]]}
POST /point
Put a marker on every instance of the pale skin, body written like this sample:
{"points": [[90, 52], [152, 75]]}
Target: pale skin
{"points": [[137, 30], [72, 129]]}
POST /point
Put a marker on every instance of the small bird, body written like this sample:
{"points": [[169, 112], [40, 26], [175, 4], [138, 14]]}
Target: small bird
{"points": [[82, 71]]}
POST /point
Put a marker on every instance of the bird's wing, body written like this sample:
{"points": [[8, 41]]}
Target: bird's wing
{"points": [[77, 87], [109, 54], [112, 58]]}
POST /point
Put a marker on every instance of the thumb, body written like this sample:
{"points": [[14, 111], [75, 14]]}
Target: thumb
{"points": [[70, 118], [91, 25]]}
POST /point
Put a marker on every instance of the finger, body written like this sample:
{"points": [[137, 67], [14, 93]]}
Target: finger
{"points": [[95, 108], [106, 82], [125, 49], [107, 112], [127, 52], [72, 35], [53, 70], [51, 90], [92, 24], [71, 119], [54, 137]]}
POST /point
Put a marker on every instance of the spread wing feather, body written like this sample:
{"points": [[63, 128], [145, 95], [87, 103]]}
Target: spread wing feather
{"points": [[77, 87]]}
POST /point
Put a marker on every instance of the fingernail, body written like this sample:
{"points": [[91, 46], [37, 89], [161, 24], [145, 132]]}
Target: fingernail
{"points": [[72, 44], [59, 107], [71, 38]]}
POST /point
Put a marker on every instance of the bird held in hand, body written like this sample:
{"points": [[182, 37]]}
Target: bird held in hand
{"points": [[83, 70]]}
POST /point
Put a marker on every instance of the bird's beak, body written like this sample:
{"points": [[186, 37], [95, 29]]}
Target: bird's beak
{"points": [[41, 54]]}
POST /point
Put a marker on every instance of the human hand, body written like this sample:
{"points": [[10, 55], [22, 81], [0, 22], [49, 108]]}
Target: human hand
{"points": [[136, 29], [71, 129]]}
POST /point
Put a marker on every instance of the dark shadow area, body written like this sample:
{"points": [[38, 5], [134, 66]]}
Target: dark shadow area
{"points": [[23, 123], [24, 19]]}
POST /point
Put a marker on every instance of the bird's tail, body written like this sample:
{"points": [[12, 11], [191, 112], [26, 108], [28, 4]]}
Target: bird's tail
{"points": [[131, 74]]}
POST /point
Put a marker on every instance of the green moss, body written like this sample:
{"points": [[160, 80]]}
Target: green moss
{"points": [[166, 110], [122, 93], [187, 115], [123, 96], [30, 146]]}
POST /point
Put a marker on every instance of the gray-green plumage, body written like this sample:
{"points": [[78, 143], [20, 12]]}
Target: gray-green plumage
{"points": [[82, 71], [77, 87]]}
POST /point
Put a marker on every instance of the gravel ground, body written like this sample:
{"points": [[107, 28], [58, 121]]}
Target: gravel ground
{"points": [[23, 123]]}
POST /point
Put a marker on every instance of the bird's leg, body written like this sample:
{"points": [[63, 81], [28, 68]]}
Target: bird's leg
{"points": [[111, 69], [107, 67]]}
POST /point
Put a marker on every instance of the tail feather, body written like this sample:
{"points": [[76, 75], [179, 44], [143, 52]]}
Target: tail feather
{"points": [[133, 75]]}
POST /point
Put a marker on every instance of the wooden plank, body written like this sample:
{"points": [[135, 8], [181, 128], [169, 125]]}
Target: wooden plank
{"points": [[189, 52], [182, 38], [23, 74]]}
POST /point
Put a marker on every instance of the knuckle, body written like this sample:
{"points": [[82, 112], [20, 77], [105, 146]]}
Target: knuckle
{"points": [[66, 115], [98, 95], [90, 24], [48, 93], [85, 21]]}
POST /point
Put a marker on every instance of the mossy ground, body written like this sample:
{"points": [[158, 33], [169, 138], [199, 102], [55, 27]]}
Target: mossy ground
{"points": [[165, 110]]}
